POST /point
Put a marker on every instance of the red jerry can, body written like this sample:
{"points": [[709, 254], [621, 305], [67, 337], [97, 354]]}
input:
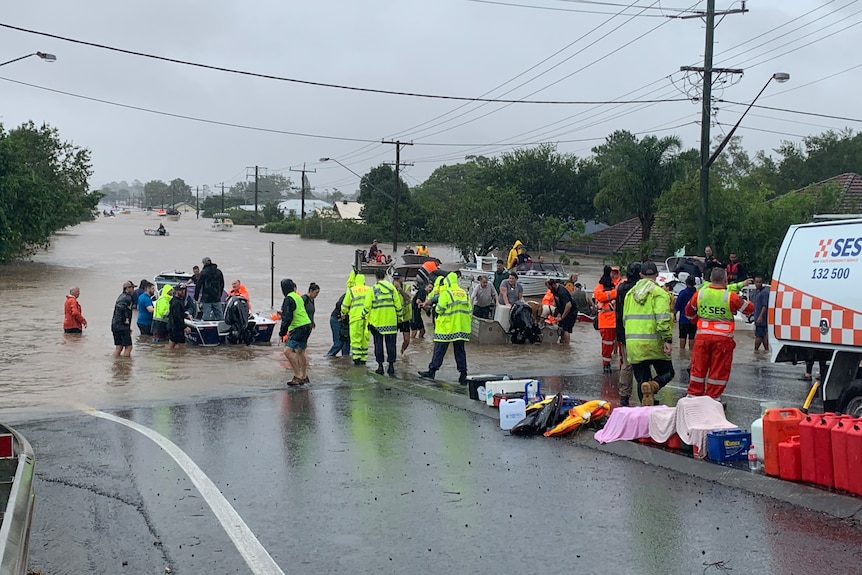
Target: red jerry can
{"points": [[790, 459], [854, 457], [823, 449], [778, 425], [806, 448], [840, 471]]}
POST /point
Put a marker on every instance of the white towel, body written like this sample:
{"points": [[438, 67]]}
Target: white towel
{"points": [[662, 423], [697, 416]]}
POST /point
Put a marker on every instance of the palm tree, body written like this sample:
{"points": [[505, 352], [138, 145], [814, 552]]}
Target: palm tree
{"points": [[633, 174]]}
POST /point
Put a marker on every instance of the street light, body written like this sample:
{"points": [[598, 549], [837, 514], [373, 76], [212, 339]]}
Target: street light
{"points": [[44, 55], [779, 77]]}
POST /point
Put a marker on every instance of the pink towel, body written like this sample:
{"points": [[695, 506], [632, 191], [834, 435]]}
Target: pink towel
{"points": [[625, 423], [697, 416], [662, 423]]}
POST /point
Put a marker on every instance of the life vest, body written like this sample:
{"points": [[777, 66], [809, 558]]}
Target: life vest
{"points": [[454, 316], [422, 251], [300, 316], [714, 313], [384, 307], [732, 272]]}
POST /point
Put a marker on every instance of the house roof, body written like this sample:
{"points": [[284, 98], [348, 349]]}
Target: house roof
{"points": [[347, 210], [850, 193]]}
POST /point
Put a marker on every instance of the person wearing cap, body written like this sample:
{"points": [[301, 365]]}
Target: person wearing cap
{"points": [[384, 312], [581, 301], [209, 290], [177, 315], [483, 298], [712, 354], [73, 321], [121, 321], [605, 294], [648, 325], [296, 325], [146, 307], [633, 276]]}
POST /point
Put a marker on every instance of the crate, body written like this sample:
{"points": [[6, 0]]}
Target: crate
{"points": [[727, 445]]}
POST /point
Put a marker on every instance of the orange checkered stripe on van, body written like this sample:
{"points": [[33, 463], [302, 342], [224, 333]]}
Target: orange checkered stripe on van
{"points": [[796, 315]]}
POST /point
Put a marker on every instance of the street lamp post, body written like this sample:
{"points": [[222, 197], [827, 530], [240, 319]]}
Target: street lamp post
{"points": [[706, 226], [44, 55], [387, 196]]}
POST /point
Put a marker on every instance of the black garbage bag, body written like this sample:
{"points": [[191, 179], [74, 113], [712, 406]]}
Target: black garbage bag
{"points": [[539, 421]]}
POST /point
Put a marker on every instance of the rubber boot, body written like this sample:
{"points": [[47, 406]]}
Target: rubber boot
{"points": [[649, 389], [428, 374], [379, 369], [391, 370], [462, 379]]}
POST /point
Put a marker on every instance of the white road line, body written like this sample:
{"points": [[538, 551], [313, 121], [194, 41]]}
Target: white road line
{"points": [[257, 558], [761, 399]]}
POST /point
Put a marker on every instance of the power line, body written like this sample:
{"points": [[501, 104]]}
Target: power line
{"points": [[800, 112], [556, 9], [531, 68], [285, 79]]}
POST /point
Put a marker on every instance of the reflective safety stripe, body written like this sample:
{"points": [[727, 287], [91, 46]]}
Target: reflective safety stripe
{"points": [[695, 379], [701, 331], [608, 342], [642, 336], [646, 316], [720, 382]]}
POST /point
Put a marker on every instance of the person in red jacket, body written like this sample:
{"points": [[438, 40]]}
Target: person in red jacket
{"points": [[605, 294], [73, 321], [712, 355]]}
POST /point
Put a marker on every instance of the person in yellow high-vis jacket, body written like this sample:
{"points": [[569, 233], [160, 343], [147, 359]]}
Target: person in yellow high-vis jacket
{"points": [[384, 309], [353, 306], [451, 325]]}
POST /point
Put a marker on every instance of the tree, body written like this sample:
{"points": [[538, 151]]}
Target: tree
{"points": [[376, 194], [180, 192], [634, 174], [271, 188], [43, 188], [156, 193]]}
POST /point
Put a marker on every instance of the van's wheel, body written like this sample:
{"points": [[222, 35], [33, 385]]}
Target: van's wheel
{"points": [[850, 400]]}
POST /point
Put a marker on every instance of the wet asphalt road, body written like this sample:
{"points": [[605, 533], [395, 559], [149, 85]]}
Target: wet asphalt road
{"points": [[353, 476]]}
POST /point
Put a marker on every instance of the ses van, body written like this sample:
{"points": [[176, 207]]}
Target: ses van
{"points": [[815, 306]]}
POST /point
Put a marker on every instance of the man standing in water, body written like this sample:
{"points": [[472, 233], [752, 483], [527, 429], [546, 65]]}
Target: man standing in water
{"points": [[121, 322], [296, 324], [73, 321]]}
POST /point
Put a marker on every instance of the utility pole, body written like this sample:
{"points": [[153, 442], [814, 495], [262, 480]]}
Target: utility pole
{"points": [[256, 179], [222, 197], [303, 185], [197, 202], [398, 145], [707, 72]]}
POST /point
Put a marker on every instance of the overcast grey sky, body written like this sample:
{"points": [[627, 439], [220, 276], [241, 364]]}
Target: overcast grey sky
{"points": [[450, 47]]}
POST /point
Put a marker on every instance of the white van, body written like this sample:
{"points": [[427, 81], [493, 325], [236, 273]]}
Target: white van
{"points": [[815, 306]]}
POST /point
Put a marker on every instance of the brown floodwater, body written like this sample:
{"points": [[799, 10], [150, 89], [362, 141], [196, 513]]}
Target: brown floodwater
{"points": [[44, 371]]}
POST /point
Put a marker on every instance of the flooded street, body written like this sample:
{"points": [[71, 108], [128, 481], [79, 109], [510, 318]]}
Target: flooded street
{"points": [[45, 371], [202, 461]]}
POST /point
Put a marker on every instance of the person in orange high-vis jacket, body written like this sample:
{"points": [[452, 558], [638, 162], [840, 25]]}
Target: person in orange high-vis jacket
{"points": [[605, 294], [712, 355]]}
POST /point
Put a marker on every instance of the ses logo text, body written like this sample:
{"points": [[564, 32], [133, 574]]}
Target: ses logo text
{"points": [[838, 250]]}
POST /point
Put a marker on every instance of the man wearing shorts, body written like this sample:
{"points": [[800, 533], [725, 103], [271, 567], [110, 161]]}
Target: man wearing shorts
{"points": [[121, 322], [296, 324], [565, 309], [687, 328]]}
